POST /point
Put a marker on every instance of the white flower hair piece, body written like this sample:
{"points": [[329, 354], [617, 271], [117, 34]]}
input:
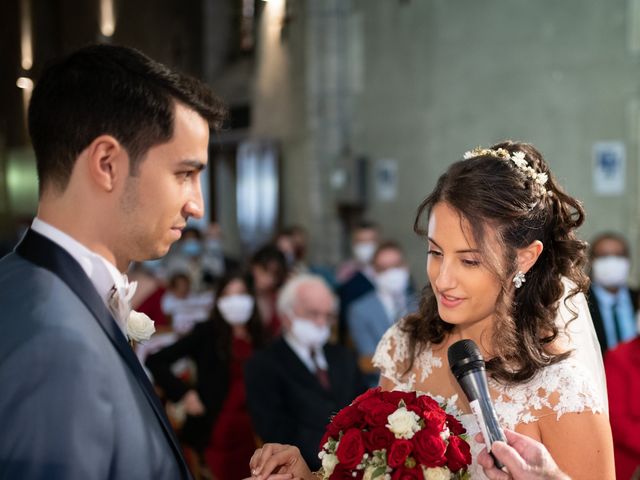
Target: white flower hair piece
{"points": [[518, 158]]}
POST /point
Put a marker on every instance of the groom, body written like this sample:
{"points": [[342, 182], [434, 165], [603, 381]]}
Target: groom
{"points": [[120, 142]]}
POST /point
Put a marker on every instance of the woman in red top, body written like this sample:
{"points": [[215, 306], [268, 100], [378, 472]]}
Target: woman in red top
{"points": [[218, 426], [622, 367]]}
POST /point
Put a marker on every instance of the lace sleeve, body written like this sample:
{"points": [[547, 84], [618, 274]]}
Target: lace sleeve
{"points": [[391, 356], [565, 387]]}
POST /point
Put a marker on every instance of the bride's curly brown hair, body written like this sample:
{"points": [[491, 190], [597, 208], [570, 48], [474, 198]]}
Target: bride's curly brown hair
{"points": [[495, 197]]}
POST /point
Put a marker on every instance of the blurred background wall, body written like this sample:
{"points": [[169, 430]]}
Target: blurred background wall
{"points": [[344, 110]]}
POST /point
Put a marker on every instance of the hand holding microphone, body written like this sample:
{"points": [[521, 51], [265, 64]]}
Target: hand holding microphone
{"points": [[467, 365]]}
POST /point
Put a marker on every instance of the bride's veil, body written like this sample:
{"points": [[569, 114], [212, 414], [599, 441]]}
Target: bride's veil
{"points": [[579, 335]]}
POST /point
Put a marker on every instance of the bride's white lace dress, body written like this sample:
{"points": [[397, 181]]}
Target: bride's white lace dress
{"points": [[558, 389]]}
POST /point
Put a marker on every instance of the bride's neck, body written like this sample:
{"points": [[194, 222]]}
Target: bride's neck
{"points": [[481, 333]]}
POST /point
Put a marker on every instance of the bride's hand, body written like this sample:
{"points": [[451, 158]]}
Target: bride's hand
{"points": [[279, 462]]}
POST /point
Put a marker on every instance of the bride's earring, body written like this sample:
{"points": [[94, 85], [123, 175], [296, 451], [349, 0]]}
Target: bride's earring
{"points": [[519, 279]]}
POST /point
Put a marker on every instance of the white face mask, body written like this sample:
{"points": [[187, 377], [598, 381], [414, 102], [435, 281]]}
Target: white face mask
{"points": [[611, 271], [309, 334], [393, 280], [363, 251], [236, 309]]}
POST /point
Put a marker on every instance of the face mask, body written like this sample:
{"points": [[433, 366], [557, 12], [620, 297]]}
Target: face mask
{"points": [[393, 280], [213, 245], [236, 309], [290, 258], [611, 271], [364, 251], [309, 334], [153, 265], [191, 247]]}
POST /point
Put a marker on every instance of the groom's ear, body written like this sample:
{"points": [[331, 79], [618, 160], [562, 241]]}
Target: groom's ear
{"points": [[527, 256], [108, 162]]}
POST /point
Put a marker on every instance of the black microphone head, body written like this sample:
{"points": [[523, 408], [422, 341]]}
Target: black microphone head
{"points": [[464, 356]]}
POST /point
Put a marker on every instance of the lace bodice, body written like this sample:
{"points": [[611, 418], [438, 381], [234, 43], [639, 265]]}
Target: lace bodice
{"points": [[558, 389]]}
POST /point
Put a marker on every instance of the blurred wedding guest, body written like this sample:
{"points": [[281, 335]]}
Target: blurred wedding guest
{"points": [[284, 242], [182, 306], [148, 296], [120, 141], [215, 262], [372, 314], [295, 384], [364, 242], [217, 425], [269, 272], [622, 366], [612, 303], [293, 241], [185, 257], [361, 281]]}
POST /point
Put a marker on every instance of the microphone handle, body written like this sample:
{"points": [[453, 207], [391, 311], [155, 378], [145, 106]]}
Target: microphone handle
{"points": [[487, 419], [474, 384]]}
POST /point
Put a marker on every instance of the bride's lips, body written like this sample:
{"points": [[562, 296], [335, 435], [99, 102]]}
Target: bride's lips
{"points": [[449, 301]]}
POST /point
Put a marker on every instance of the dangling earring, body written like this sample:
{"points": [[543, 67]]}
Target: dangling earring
{"points": [[519, 279]]}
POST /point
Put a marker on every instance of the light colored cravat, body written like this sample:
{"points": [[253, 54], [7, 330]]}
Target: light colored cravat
{"points": [[119, 301]]}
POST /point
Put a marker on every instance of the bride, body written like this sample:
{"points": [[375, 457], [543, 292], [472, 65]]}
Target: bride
{"points": [[505, 270]]}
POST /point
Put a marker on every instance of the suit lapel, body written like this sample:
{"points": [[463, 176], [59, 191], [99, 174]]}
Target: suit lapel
{"points": [[44, 253], [299, 369]]}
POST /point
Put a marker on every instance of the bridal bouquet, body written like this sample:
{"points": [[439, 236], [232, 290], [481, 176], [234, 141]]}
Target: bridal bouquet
{"points": [[394, 436]]}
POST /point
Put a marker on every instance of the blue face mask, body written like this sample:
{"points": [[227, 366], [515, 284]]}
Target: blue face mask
{"points": [[191, 248]]}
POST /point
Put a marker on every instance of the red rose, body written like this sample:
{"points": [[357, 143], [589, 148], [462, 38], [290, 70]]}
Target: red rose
{"points": [[455, 426], [395, 396], [350, 448], [426, 403], [404, 473], [372, 392], [378, 438], [376, 411], [458, 454], [398, 453], [434, 420], [348, 417], [343, 473], [429, 449]]}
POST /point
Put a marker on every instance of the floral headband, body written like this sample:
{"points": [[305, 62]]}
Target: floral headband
{"points": [[518, 158]]}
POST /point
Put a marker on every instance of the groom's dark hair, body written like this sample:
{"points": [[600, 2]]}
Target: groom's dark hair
{"points": [[114, 90]]}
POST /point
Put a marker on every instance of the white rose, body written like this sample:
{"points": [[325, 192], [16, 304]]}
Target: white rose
{"points": [[403, 423], [139, 327], [438, 473], [329, 462], [368, 473]]}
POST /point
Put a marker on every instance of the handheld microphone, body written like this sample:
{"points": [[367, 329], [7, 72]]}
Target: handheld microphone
{"points": [[467, 365]]}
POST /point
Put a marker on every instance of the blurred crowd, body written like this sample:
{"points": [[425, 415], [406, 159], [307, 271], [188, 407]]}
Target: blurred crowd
{"points": [[265, 348]]}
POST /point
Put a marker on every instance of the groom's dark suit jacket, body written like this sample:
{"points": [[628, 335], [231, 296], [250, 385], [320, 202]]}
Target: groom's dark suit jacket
{"points": [[74, 402], [287, 402]]}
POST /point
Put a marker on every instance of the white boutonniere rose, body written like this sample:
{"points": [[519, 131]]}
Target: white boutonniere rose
{"points": [[139, 327]]}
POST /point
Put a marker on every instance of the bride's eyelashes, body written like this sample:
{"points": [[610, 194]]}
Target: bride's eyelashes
{"points": [[469, 262]]}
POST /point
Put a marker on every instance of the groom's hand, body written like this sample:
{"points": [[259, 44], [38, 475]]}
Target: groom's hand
{"points": [[525, 459]]}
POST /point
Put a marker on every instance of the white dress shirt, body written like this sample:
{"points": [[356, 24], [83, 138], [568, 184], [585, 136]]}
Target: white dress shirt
{"points": [[304, 354], [102, 273]]}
